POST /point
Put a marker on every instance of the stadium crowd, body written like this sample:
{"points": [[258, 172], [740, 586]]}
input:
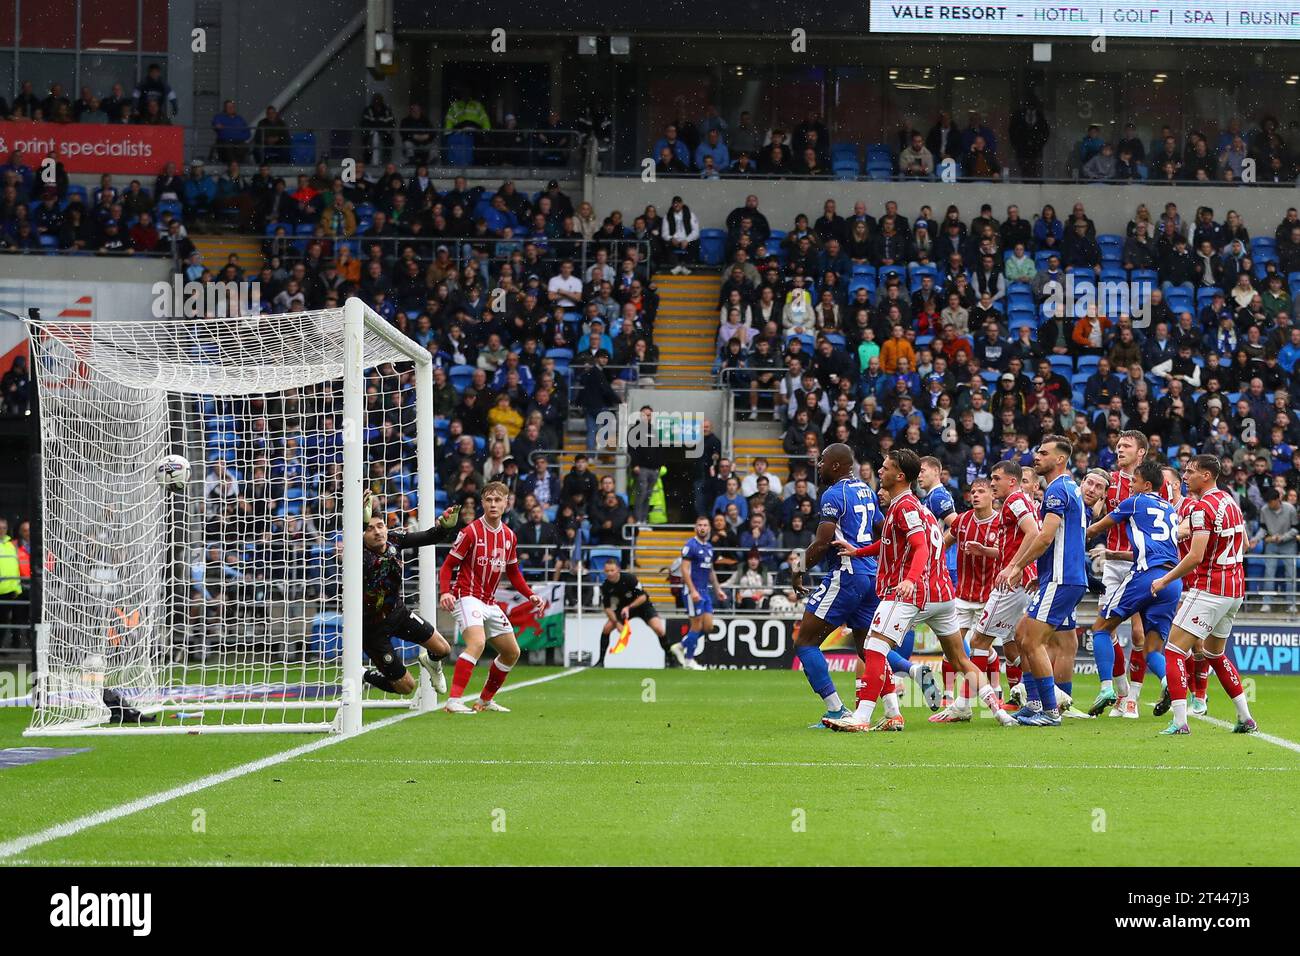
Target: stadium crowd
{"points": [[958, 336], [711, 148]]}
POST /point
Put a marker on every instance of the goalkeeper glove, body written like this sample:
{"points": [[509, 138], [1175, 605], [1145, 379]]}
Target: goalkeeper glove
{"points": [[448, 518]]}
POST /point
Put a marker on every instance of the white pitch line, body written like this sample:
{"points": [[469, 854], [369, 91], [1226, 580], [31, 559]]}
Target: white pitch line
{"points": [[1267, 738], [795, 764], [73, 827], [1270, 738]]}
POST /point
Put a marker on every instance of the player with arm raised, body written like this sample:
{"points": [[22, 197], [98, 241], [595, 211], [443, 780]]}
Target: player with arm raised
{"points": [[1216, 585], [1152, 534], [700, 579], [1062, 577], [914, 587], [484, 549], [846, 596], [384, 613]]}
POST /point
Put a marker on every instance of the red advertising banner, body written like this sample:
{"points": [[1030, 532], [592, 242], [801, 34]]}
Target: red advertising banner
{"points": [[96, 147]]}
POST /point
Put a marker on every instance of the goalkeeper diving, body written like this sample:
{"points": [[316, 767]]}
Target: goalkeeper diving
{"points": [[385, 615]]}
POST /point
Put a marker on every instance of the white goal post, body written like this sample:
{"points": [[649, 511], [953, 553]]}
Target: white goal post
{"points": [[233, 605]]}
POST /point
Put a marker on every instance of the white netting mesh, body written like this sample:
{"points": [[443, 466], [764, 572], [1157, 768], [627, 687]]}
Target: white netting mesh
{"points": [[219, 604]]}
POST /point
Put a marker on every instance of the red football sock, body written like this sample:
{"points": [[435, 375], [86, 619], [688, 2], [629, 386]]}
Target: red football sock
{"points": [[497, 675], [1014, 674], [1200, 676], [460, 679], [949, 678], [1227, 673], [874, 677], [1137, 666], [1118, 669], [1175, 673]]}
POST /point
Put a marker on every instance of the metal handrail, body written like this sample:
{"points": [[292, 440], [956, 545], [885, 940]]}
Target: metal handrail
{"points": [[452, 149]]}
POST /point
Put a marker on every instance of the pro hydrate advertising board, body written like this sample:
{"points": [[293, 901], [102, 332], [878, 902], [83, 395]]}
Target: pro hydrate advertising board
{"points": [[1156, 19]]}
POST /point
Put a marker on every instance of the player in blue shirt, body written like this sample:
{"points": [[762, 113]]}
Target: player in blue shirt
{"points": [[698, 577], [938, 501], [1062, 577], [846, 596], [1153, 535]]}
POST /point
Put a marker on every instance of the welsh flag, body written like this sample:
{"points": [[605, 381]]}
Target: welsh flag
{"points": [[535, 631]]}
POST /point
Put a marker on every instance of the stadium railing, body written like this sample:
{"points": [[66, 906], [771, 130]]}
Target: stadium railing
{"points": [[304, 146]]}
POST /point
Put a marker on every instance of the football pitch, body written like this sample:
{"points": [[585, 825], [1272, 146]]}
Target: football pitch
{"points": [[635, 768]]}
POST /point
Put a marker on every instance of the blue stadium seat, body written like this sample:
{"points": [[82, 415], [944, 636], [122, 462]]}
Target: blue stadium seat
{"points": [[713, 244], [880, 152], [479, 444], [844, 152], [1204, 297], [923, 340], [835, 339], [884, 272], [847, 169], [1023, 316], [460, 376], [596, 558], [862, 269], [990, 375], [1180, 302], [1062, 364], [1019, 288], [1087, 364], [1113, 274], [861, 282], [1041, 257], [1020, 320], [75, 190], [774, 238], [558, 353], [302, 149], [1112, 243]]}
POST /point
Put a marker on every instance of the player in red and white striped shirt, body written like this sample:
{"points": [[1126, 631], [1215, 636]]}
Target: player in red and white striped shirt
{"points": [[484, 549], [1198, 684], [1212, 595], [976, 532], [1016, 518], [914, 587]]}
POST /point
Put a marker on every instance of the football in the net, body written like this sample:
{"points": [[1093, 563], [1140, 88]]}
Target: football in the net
{"points": [[173, 472]]}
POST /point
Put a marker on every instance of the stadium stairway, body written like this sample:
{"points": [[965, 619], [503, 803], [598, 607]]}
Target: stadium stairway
{"points": [[686, 329], [656, 549], [758, 439], [216, 249]]}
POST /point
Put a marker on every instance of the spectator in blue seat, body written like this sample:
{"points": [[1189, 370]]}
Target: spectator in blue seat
{"points": [[1049, 232], [713, 148], [731, 497], [154, 89], [1081, 254], [677, 149], [233, 134], [977, 129], [1090, 146], [199, 191]]}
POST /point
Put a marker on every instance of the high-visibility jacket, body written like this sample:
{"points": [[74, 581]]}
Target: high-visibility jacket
{"points": [[658, 501], [24, 563], [10, 579]]}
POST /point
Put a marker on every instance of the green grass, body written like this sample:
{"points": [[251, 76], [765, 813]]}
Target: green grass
{"points": [[719, 769]]}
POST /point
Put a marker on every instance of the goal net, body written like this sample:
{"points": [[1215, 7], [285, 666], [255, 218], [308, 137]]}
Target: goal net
{"points": [[232, 604]]}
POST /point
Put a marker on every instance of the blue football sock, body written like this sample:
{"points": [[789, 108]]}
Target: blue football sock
{"points": [[1067, 686], [1156, 663], [909, 643], [1103, 652], [814, 668], [1031, 687], [898, 664], [1047, 692], [689, 641]]}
